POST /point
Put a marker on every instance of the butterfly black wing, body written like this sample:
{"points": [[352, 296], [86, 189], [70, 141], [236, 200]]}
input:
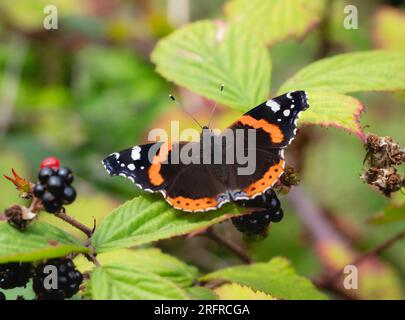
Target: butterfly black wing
{"points": [[192, 187], [198, 186], [275, 122]]}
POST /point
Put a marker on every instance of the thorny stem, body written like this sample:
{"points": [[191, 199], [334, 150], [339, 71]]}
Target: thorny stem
{"points": [[78, 225], [229, 245], [87, 231]]}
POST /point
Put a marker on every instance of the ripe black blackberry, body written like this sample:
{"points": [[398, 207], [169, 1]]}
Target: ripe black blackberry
{"points": [[14, 274], [257, 222], [68, 280], [54, 188]]}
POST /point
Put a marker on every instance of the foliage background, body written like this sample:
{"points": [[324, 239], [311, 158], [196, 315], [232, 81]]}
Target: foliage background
{"points": [[90, 88]]}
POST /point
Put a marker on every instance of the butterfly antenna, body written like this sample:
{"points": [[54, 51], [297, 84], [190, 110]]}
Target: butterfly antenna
{"points": [[215, 107], [189, 114]]}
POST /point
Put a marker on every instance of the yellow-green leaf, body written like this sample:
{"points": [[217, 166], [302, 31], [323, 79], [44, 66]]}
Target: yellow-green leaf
{"points": [[151, 259], [275, 20], [203, 55], [337, 110], [202, 293], [234, 291], [276, 278], [352, 72], [125, 282]]}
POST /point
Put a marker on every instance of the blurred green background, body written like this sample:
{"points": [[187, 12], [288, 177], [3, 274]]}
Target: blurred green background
{"points": [[89, 88]]}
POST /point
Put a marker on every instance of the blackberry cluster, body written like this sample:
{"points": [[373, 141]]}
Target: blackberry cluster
{"points": [[68, 280], [54, 188], [14, 274], [257, 222]]}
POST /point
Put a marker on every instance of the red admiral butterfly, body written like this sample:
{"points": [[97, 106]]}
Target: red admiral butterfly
{"points": [[200, 186]]}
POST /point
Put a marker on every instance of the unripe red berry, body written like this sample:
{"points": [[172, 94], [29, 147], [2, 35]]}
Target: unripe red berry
{"points": [[51, 162]]}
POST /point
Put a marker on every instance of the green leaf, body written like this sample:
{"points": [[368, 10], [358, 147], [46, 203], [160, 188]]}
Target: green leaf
{"points": [[39, 241], [392, 213], [234, 291], [337, 110], [274, 20], [146, 219], [202, 293], [203, 55], [125, 282], [352, 72], [152, 260], [276, 278]]}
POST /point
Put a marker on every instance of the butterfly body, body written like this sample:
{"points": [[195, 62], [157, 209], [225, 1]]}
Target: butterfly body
{"points": [[204, 175]]}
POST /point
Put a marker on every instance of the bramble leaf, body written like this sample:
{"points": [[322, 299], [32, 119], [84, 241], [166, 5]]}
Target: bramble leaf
{"points": [[203, 55], [202, 293], [337, 110], [274, 20], [276, 278], [234, 291], [125, 282], [146, 219], [151, 259], [39, 241], [352, 72]]}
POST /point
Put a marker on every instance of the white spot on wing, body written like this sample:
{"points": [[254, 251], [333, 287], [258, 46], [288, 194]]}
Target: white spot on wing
{"points": [[274, 106], [286, 112], [136, 153], [116, 155], [131, 167]]}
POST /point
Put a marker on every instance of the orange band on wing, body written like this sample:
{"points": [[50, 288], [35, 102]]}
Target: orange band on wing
{"points": [[267, 180], [154, 171], [189, 204], [276, 134]]}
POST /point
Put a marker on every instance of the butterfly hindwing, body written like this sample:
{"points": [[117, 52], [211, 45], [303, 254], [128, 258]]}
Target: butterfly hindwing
{"points": [[275, 124]]}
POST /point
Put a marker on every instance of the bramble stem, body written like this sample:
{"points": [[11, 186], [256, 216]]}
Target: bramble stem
{"points": [[78, 225], [229, 245], [380, 248], [331, 280]]}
